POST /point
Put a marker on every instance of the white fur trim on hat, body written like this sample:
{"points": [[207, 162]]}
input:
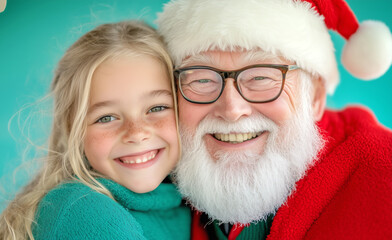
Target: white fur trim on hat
{"points": [[373, 40], [288, 28]]}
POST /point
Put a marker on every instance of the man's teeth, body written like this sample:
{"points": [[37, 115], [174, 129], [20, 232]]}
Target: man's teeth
{"points": [[140, 160], [236, 137]]}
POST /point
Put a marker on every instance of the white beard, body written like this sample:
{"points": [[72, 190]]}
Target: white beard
{"points": [[242, 186]]}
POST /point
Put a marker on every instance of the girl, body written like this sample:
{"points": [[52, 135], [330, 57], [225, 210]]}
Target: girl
{"points": [[114, 140]]}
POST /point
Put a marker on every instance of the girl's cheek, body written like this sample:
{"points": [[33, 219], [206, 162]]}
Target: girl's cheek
{"points": [[166, 127], [165, 122]]}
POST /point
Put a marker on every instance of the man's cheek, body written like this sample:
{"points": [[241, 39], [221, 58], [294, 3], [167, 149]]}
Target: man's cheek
{"points": [[189, 119]]}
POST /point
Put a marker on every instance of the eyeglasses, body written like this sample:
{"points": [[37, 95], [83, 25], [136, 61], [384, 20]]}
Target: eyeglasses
{"points": [[256, 83]]}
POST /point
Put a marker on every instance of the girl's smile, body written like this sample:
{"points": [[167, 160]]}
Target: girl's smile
{"points": [[140, 161]]}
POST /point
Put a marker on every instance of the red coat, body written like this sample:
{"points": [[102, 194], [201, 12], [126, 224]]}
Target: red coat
{"points": [[347, 194]]}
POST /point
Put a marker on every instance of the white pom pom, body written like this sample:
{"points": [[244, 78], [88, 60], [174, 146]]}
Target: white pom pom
{"points": [[368, 53]]}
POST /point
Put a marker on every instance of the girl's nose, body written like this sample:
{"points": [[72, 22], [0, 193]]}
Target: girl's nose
{"points": [[135, 132]]}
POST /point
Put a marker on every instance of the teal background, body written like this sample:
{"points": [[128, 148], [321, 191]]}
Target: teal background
{"points": [[35, 34]]}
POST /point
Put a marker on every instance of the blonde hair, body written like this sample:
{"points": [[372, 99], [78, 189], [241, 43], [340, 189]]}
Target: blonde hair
{"points": [[70, 89]]}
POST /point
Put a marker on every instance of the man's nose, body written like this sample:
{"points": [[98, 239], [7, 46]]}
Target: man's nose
{"points": [[231, 106]]}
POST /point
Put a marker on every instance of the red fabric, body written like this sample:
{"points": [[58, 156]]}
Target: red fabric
{"points": [[197, 230], [347, 194], [235, 231], [338, 16]]}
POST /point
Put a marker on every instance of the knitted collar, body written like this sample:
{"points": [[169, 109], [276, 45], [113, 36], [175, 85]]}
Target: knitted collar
{"points": [[165, 196]]}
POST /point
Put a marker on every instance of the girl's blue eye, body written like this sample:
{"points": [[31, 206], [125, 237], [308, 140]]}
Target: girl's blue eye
{"points": [[106, 119], [157, 109]]}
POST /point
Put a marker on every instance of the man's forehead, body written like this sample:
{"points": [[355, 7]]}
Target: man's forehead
{"points": [[239, 58]]}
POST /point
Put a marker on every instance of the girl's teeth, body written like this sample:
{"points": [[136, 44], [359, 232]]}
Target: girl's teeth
{"points": [[140, 160]]}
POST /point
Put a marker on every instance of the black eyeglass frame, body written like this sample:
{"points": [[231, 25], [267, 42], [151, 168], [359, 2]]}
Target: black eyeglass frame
{"points": [[234, 74]]}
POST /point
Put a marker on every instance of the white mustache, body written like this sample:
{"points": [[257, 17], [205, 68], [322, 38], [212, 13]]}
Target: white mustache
{"points": [[211, 125]]}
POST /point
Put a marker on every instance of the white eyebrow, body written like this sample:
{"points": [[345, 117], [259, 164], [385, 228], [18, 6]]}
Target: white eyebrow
{"points": [[199, 58]]}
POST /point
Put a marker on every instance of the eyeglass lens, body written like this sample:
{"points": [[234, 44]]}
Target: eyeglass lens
{"points": [[255, 84]]}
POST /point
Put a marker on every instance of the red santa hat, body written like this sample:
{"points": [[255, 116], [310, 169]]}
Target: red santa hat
{"points": [[294, 29]]}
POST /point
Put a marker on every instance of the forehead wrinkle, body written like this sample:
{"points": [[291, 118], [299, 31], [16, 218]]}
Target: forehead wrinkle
{"points": [[259, 56], [247, 57], [209, 60]]}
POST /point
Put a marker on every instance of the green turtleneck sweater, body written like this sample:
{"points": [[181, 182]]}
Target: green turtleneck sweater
{"points": [[258, 230], [75, 211]]}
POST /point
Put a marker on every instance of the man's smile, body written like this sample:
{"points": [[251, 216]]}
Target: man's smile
{"points": [[235, 141], [236, 137]]}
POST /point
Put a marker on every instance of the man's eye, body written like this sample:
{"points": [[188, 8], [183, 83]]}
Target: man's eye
{"points": [[106, 119], [197, 82], [157, 109], [203, 80], [259, 78]]}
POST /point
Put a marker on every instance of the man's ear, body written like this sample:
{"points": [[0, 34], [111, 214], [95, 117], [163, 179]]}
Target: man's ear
{"points": [[319, 98]]}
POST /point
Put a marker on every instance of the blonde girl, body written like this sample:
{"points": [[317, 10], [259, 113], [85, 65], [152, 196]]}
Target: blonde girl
{"points": [[113, 141]]}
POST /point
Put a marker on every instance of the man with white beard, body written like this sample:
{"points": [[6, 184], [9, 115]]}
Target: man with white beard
{"points": [[223, 183], [261, 154]]}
